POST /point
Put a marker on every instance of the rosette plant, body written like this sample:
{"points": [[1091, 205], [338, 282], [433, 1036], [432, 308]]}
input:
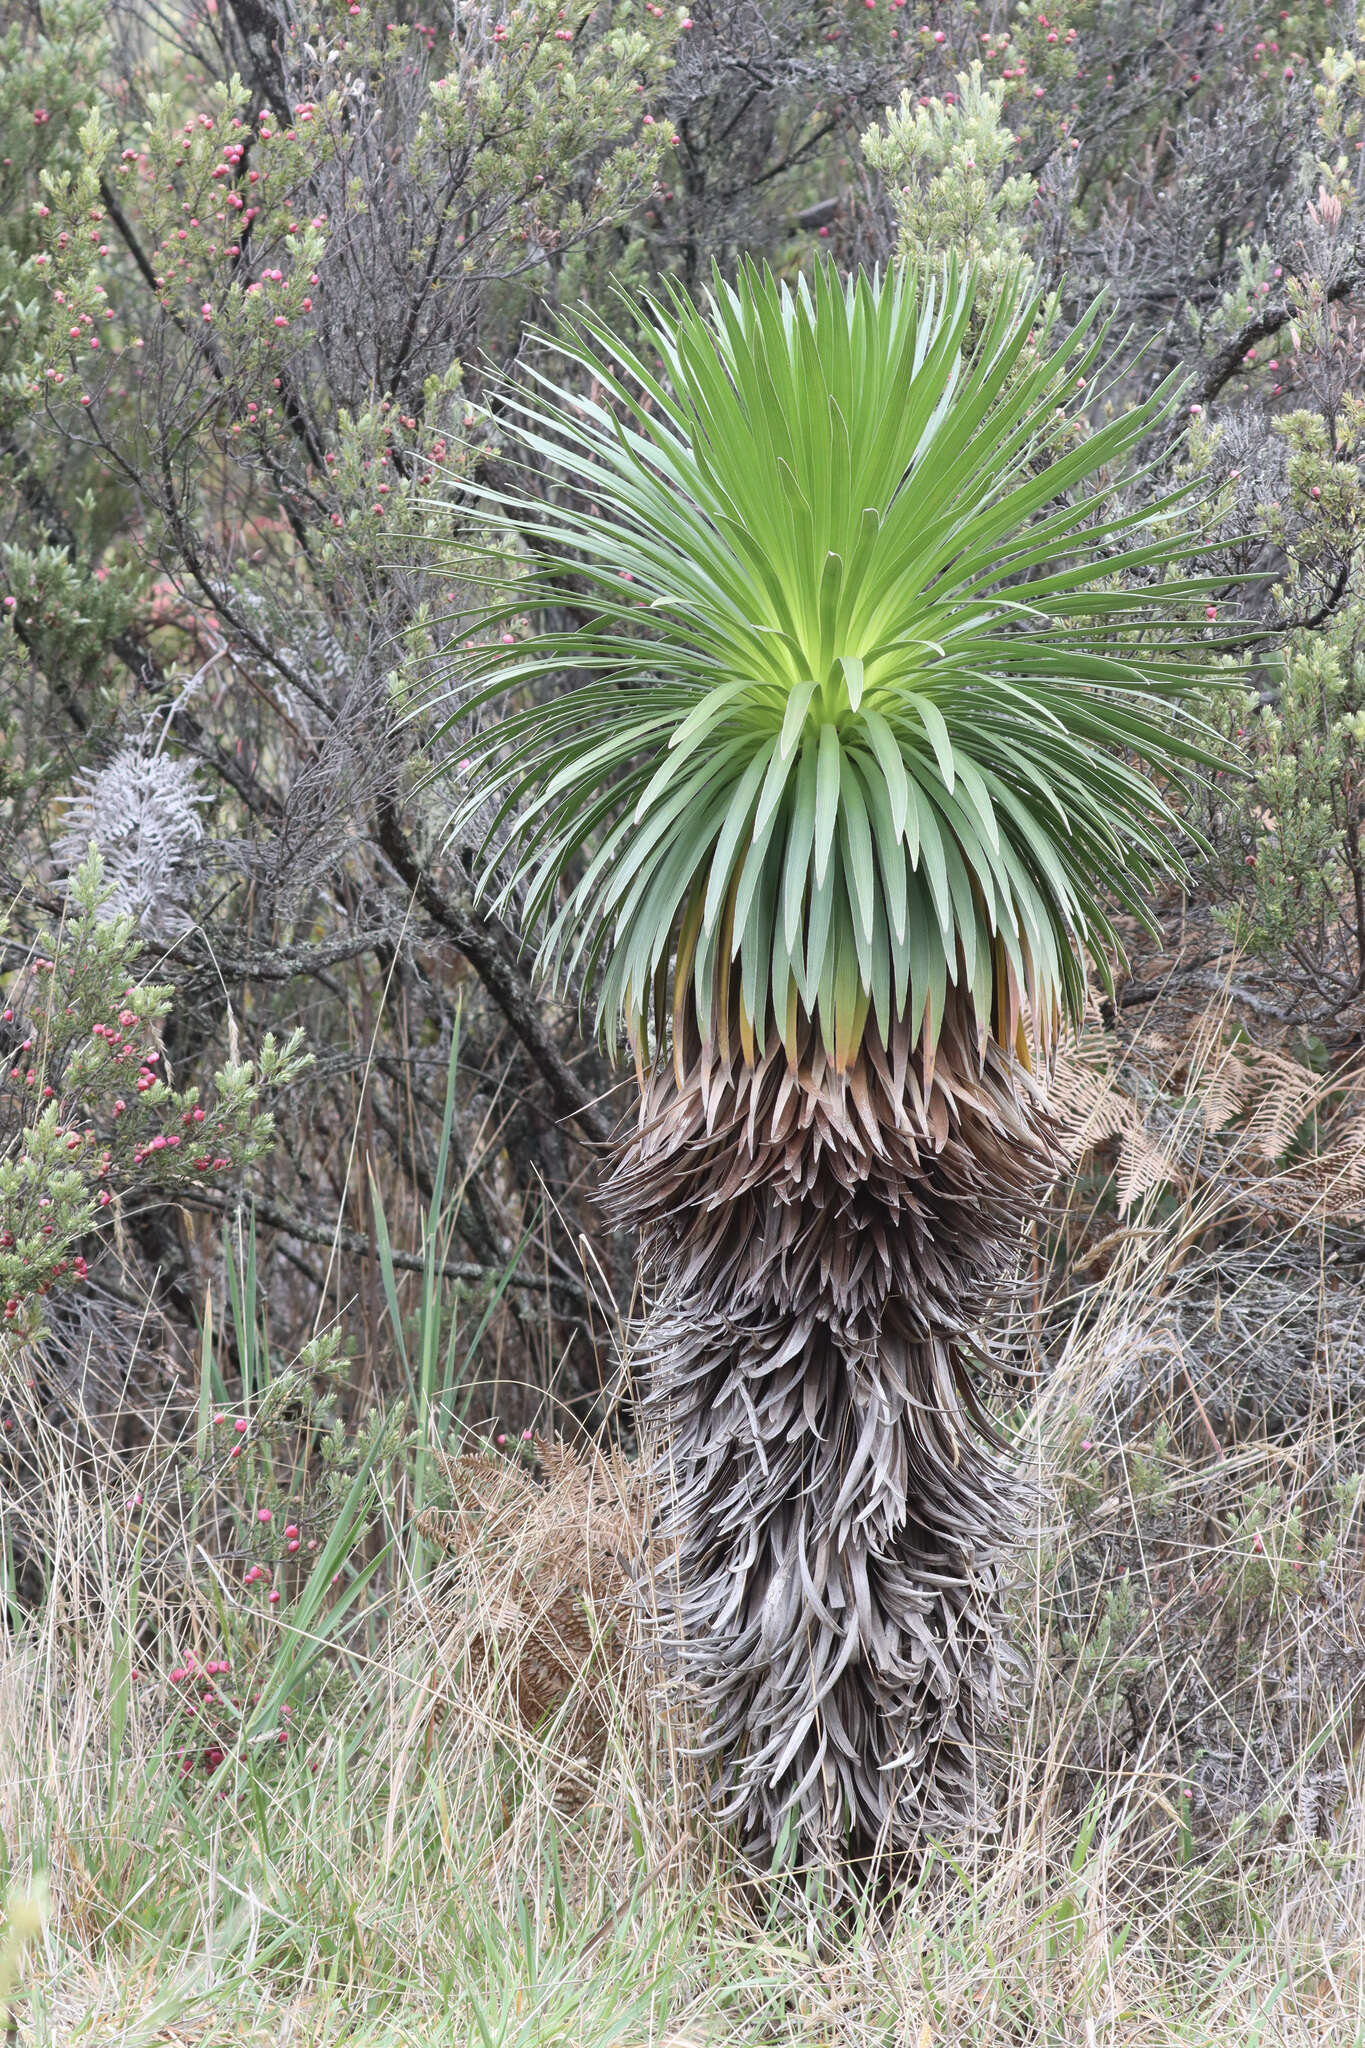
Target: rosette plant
{"points": [[874, 716]]}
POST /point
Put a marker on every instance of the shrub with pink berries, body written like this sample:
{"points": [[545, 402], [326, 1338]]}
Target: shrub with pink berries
{"points": [[90, 1118]]}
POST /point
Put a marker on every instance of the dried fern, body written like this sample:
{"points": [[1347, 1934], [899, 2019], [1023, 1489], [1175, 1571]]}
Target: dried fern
{"points": [[142, 812], [1189, 1102]]}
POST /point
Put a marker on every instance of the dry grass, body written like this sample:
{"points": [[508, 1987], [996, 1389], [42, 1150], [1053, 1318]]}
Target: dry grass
{"points": [[449, 1848]]}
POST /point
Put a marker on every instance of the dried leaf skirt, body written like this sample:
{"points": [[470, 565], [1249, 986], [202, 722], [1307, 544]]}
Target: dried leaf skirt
{"points": [[819, 1246]]}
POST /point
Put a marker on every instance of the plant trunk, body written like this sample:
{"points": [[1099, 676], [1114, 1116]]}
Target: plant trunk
{"points": [[837, 1510]]}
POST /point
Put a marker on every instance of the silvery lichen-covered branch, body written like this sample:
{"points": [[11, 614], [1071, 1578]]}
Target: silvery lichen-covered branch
{"points": [[879, 683]]}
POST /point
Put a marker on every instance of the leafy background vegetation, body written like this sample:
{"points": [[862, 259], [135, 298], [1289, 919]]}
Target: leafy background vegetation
{"points": [[263, 273]]}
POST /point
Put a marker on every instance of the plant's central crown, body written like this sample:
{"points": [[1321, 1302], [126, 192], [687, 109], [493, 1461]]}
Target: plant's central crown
{"points": [[880, 664]]}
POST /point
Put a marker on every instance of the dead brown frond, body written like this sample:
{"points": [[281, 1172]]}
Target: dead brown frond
{"points": [[534, 1591]]}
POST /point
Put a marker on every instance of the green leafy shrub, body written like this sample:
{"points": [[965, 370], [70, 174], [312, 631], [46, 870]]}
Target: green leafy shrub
{"points": [[95, 1122]]}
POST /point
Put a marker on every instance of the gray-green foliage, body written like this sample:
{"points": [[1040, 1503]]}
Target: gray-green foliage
{"points": [[1292, 873], [1301, 874], [952, 178]]}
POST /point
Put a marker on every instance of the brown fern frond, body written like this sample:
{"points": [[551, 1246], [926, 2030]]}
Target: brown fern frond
{"points": [[1286, 1093], [1187, 1103]]}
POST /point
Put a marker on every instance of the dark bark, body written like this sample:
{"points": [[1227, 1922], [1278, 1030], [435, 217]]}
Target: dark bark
{"points": [[1268, 321]]}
